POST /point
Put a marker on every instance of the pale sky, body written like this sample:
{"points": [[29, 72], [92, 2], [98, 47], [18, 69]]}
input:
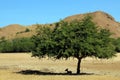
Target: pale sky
{"points": [[27, 12]]}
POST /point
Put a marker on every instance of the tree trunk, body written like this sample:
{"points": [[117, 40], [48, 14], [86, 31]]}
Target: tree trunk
{"points": [[78, 66]]}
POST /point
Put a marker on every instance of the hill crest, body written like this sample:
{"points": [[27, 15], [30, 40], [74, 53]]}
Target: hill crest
{"points": [[102, 19]]}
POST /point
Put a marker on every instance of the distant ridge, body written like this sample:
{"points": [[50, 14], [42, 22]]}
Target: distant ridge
{"points": [[16, 31], [102, 19]]}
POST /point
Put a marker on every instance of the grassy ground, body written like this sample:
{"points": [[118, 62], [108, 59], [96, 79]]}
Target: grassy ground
{"points": [[24, 67]]}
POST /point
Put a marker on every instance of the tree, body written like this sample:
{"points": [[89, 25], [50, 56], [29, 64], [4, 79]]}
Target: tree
{"points": [[116, 42], [78, 39]]}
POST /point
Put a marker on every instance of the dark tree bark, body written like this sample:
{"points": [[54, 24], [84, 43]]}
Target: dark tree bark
{"points": [[78, 65]]}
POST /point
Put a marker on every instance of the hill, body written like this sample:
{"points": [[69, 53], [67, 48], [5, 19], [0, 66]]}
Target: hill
{"points": [[102, 19], [17, 31]]}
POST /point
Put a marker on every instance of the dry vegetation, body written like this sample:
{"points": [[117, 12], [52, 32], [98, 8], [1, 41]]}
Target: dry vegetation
{"points": [[11, 66], [102, 19], [11, 31]]}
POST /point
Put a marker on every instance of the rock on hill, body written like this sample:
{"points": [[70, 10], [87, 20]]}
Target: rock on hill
{"points": [[102, 19]]}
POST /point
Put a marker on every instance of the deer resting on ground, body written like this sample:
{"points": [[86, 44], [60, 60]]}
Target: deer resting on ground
{"points": [[68, 72]]}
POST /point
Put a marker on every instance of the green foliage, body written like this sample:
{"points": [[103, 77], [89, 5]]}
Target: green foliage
{"points": [[42, 41], [22, 45], [16, 45], [116, 42], [27, 30], [7, 46], [77, 39]]}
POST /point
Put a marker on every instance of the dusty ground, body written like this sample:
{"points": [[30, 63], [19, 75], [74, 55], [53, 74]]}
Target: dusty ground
{"points": [[24, 67]]}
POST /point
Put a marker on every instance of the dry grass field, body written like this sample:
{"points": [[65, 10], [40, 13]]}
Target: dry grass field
{"points": [[21, 66]]}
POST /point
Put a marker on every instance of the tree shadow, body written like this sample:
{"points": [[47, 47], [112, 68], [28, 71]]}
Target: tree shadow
{"points": [[36, 72]]}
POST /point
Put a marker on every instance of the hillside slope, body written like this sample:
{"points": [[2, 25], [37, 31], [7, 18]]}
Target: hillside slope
{"points": [[16, 31], [102, 19]]}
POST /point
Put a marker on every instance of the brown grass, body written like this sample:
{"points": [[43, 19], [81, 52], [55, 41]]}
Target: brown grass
{"points": [[11, 31], [12, 64], [102, 19]]}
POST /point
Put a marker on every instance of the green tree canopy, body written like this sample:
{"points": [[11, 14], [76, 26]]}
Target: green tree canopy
{"points": [[116, 42], [78, 39]]}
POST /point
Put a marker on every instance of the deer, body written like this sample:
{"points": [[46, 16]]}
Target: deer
{"points": [[68, 72]]}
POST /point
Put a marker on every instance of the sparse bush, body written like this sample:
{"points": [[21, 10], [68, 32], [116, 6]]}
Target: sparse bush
{"points": [[27, 30]]}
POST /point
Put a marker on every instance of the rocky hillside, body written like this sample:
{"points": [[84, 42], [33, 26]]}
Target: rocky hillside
{"points": [[102, 19]]}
